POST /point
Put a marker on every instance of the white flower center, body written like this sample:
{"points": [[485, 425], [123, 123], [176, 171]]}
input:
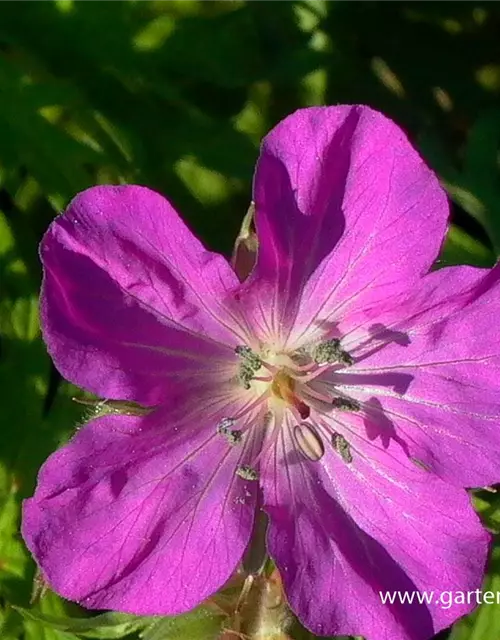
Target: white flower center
{"points": [[288, 386]]}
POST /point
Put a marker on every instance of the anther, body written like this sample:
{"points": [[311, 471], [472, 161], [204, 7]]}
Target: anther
{"points": [[345, 404], [233, 436], [225, 424], [251, 358], [342, 447], [247, 473], [345, 358], [246, 374], [331, 352], [250, 365], [308, 441]]}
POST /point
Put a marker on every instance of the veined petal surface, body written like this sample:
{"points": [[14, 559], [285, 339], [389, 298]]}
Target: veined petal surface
{"points": [[428, 370], [346, 213], [141, 518], [130, 294], [342, 533]]}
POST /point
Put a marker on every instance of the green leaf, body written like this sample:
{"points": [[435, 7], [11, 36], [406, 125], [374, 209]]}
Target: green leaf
{"points": [[484, 623], [476, 189], [106, 626], [33, 629], [481, 153], [487, 504], [461, 248], [55, 159], [235, 57], [12, 551]]}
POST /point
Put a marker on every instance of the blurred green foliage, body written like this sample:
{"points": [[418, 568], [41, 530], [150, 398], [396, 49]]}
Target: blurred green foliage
{"points": [[177, 95]]}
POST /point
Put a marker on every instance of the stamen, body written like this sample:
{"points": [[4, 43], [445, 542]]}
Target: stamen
{"points": [[245, 376], [271, 368], [247, 473], [250, 365], [309, 442], [346, 358], [345, 404], [318, 371], [318, 395], [252, 405], [251, 358], [225, 424], [233, 436], [302, 368], [342, 447], [331, 352], [268, 418], [341, 403]]}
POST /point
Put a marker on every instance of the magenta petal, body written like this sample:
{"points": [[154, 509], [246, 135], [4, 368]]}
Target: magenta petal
{"points": [[127, 291], [346, 213], [448, 412], [342, 533], [138, 518]]}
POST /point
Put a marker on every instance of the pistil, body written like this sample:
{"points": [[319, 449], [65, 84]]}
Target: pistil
{"points": [[283, 387]]}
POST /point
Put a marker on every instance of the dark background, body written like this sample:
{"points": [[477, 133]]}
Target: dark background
{"points": [[177, 95]]}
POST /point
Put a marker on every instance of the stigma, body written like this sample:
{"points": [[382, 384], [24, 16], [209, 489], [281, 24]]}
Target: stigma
{"points": [[283, 388]]}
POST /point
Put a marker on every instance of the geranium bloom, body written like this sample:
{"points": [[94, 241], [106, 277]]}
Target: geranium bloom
{"points": [[342, 387]]}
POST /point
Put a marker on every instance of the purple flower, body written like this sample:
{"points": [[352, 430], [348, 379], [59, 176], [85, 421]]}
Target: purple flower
{"points": [[342, 386]]}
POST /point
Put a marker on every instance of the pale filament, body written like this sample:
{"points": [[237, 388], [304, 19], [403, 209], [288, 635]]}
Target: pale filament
{"points": [[296, 371], [252, 405], [263, 379], [277, 418], [299, 368], [270, 367], [319, 396], [315, 373]]}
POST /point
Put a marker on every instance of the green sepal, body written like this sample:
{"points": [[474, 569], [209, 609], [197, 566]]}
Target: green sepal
{"points": [[201, 624]]}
